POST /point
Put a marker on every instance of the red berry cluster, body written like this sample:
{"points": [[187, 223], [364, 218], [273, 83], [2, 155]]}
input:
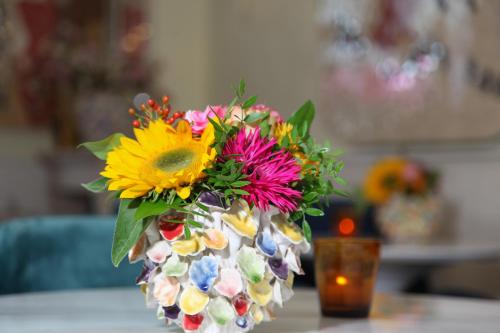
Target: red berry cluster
{"points": [[152, 111]]}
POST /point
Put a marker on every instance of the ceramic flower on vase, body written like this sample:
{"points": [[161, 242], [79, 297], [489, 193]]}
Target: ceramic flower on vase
{"points": [[404, 192], [214, 203]]}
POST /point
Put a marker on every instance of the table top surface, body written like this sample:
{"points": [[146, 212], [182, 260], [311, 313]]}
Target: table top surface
{"points": [[123, 311], [439, 253]]}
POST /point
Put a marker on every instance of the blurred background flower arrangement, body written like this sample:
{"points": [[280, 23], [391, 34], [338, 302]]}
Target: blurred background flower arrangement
{"points": [[405, 193]]}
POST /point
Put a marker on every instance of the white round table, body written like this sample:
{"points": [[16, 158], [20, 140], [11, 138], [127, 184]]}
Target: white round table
{"points": [[400, 263], [123, 311]]}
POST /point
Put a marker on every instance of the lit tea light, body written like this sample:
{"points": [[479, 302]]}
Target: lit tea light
{"points": [[341, 280], [346, 226]]}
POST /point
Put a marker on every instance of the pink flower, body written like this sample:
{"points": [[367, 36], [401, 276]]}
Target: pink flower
{"points": [[269, 172], [199, 119]]}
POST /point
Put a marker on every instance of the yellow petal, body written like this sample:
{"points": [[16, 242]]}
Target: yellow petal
{"points": [[184, 130], [188, 246], [289, 230], [208, 135], [184, 192], [240, 219], [261, 292], [193, 301], [256, 314]]}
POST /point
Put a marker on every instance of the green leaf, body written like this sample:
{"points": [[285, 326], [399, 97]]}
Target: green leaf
{"points": [[240, 183], [310, 196], [242, 88], [256, 116], [341, 181], [194, 223], [150, 208], [265, 128], [187, 232], [306, 228], [314, 212], [127, 231], [239, 191], [202, 207], [216, 125], [101, 148], [303, 118], [249, 102], [97, 186]]}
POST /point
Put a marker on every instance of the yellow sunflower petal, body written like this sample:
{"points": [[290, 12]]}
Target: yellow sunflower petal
{"points": [[183, 192], [183, 129]]}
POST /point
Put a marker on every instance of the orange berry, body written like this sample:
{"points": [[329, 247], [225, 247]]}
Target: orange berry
{"points": [[143, 107], [165, 99], [131, 112]]}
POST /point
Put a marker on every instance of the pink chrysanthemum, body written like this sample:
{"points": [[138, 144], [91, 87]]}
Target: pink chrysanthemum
{"points": [[270, 172]]}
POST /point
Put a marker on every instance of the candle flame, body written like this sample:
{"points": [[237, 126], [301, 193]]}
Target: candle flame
{"points": [[341, 280]]}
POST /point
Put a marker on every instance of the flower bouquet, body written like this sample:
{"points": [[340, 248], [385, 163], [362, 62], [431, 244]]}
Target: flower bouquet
{"points": [[404, 192], [214, 203]]}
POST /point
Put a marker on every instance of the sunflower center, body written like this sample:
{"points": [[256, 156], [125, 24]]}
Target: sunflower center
{"points": [[175, 160]]}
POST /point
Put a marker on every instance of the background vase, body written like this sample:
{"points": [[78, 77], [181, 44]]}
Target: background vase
{"points": [[410, 219]]}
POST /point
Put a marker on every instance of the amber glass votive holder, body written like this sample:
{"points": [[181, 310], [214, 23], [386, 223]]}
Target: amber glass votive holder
{"points": [[346, 271]]}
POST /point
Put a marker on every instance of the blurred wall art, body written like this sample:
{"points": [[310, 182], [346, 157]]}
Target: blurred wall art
{"points": [[402, 71]]}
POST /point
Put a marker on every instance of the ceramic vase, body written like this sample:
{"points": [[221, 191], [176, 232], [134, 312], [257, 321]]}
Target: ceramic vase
{"points": [[228, 274]]}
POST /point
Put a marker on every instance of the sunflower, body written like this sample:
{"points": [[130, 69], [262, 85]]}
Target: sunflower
{"points": [[384, 179], [161, 158]]}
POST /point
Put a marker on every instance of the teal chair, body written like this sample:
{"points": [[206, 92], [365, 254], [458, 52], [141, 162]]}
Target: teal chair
{"points": [[63, 252]]}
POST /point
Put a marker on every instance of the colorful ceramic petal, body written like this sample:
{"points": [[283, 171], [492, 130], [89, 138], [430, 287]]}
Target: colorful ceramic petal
{"points": [[159, 252], [188, 247], [242, 322], [214, 239], [166, 290], [278, 267], [136, 253], [256, 314], [241, 304], [240, 218], [192, 322], [171, 312], [220, 311], [261, 293], [230, 283], [174, 267], [170, 230], [213, 199], [266, 244], [203, 272], [293, 262], [148, 267], [277, 298], [193, 301], [289, 230], [251, 264]]}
